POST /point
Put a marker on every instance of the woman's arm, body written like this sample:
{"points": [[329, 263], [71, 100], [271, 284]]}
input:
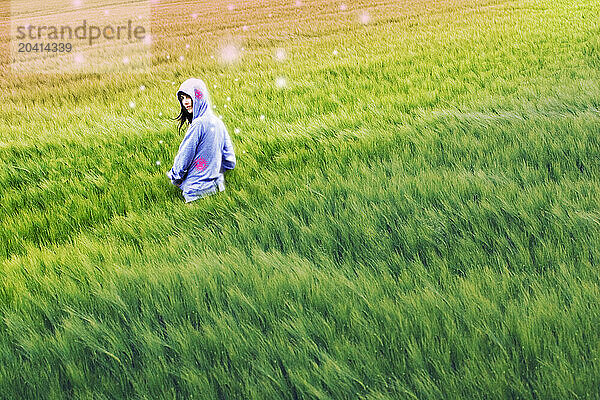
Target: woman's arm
{"points": [[228, 153], [185, 155]]}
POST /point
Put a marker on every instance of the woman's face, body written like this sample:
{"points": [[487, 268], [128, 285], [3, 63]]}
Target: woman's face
{"points": [[186, 101]]}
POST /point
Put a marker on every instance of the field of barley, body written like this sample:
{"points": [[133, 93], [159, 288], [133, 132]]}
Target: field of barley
{"points": [[414, 214]]}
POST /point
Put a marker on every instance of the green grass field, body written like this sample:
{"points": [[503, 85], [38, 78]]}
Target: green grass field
{"points": [[416, 217]]}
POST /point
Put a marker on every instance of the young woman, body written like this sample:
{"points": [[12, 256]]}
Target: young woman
{"points": [[206, 150]]}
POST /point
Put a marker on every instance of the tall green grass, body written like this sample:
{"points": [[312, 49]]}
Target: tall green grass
{"points": [[415, 217]]}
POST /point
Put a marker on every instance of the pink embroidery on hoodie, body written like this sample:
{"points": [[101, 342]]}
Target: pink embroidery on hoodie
{"points": [[200, 164]]}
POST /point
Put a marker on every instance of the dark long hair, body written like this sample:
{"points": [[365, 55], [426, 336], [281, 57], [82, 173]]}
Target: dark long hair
{"points": [[184, 116]]}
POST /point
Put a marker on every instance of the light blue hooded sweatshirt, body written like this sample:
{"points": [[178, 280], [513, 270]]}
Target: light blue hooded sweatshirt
{"points": [[206, 150]]}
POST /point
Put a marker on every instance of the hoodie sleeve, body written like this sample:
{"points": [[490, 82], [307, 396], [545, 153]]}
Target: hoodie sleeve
{"points": [[185, 155], [228, 153]]}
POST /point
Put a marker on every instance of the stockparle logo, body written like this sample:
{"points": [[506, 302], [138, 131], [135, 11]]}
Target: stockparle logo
{"points": [[80, 36]]}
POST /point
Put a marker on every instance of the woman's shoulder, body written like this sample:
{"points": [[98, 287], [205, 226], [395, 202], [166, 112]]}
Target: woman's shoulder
{"points": [[206, 119], [204, 124], [198, 125]]}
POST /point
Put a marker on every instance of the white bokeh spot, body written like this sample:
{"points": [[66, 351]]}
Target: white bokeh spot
{"points": [[280, 54], [365, 17], [230, 54], [281, 82]]}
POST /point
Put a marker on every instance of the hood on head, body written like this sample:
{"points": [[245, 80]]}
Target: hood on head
{"points": [[196, 89]]}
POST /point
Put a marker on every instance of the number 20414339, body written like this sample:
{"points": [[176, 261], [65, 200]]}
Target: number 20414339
{"points": [[45, 47]]}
